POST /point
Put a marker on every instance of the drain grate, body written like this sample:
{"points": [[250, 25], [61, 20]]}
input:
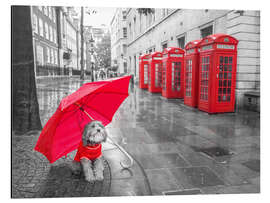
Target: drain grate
{"points": [[184, 192], [214, 151]]}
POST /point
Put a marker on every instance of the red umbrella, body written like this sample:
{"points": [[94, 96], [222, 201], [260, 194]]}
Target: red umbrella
{"points": [[93, 101]]}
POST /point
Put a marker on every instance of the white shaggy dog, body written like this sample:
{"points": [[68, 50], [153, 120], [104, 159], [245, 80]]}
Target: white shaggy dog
{"points": [[89, 155]]}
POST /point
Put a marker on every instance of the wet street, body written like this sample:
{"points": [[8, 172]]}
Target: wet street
{"points": [[177, 150]]}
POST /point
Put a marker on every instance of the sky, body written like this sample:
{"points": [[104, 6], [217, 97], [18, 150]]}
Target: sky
{"points": [[98, 16]]}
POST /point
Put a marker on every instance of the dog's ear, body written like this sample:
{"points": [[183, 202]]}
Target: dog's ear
{"points": [[85, 131], [105, 135]]}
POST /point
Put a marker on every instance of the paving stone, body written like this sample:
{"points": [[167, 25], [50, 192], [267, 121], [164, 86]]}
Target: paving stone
{"points": [[151, 161], [196, 177], [161, 180]]}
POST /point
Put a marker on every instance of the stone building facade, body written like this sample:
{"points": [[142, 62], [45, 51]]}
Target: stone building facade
{"points": [[176, 27], [45, 39], [56, 40], [68, 36], [118, 29]]}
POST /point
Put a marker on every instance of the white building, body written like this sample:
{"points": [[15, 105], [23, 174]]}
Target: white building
{"points": [[118, 28]]}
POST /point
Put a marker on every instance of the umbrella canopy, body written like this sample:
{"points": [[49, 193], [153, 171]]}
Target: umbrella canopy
{"points": [[93, 101]]}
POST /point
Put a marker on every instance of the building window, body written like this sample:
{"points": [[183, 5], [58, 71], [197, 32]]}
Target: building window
{"points": [[125, 49], [130, 32], [163, 12], [45, 10], [51, 56], [181, 42], [51, 35], [164, 46], [125, 32], [134, 26], [40, 24], [124, 15], [50, 12], [55, 57], [40, 8], [40, 55], [48, 55], [55, 36], [53, 14], [46, 31], [35, 23], [206, 31]]}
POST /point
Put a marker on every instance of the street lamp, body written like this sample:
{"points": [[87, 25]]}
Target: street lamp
{"points": [[82, 38], [91, 42]]}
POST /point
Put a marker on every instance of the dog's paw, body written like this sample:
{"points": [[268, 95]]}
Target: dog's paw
{"points": [[90, 179], [99, 176]]}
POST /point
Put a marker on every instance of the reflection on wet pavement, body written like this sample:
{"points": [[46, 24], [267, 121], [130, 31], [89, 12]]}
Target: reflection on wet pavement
{"points": [[176, 148]]}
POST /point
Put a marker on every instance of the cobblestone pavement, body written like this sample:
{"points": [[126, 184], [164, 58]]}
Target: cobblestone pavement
{"points": [[33, 176], [177, 150]]}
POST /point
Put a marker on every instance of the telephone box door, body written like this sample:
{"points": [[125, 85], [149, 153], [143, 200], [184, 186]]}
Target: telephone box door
{"points": [[176, 76], [205, 67], [225, 80], [145, 74], [158, 76]]}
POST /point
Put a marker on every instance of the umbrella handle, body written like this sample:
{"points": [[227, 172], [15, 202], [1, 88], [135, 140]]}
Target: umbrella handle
{"points": [[125, 166]]}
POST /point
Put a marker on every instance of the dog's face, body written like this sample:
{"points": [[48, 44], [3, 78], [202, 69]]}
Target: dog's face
{"points": [[94, 133]]}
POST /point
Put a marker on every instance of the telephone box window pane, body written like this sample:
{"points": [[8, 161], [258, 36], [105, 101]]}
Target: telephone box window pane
{"points": [[221, 59], [226, 59], [164, 76], [229, 75], [220, 67], [220, 75], [225, 75], [230, 60], [220, 83], [224, 90], [230, 67], [225, 83], [224, 98], [219, 98], [228, 98], [219, 90], [225, 67], [176, 67], [145, 74], [229, 83], [229, 91]]}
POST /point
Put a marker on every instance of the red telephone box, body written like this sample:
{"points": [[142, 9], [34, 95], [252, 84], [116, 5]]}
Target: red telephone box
{"points": [[218, 56], [173, 72], [155, 72], [191, 70], [143, 71]]}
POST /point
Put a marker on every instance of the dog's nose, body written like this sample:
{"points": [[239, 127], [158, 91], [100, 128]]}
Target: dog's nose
{"points": [[98, 130]]}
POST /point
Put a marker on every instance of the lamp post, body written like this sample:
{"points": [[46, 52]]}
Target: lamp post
{"points": [[91, 42], [82, 43], [82, 38]]}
